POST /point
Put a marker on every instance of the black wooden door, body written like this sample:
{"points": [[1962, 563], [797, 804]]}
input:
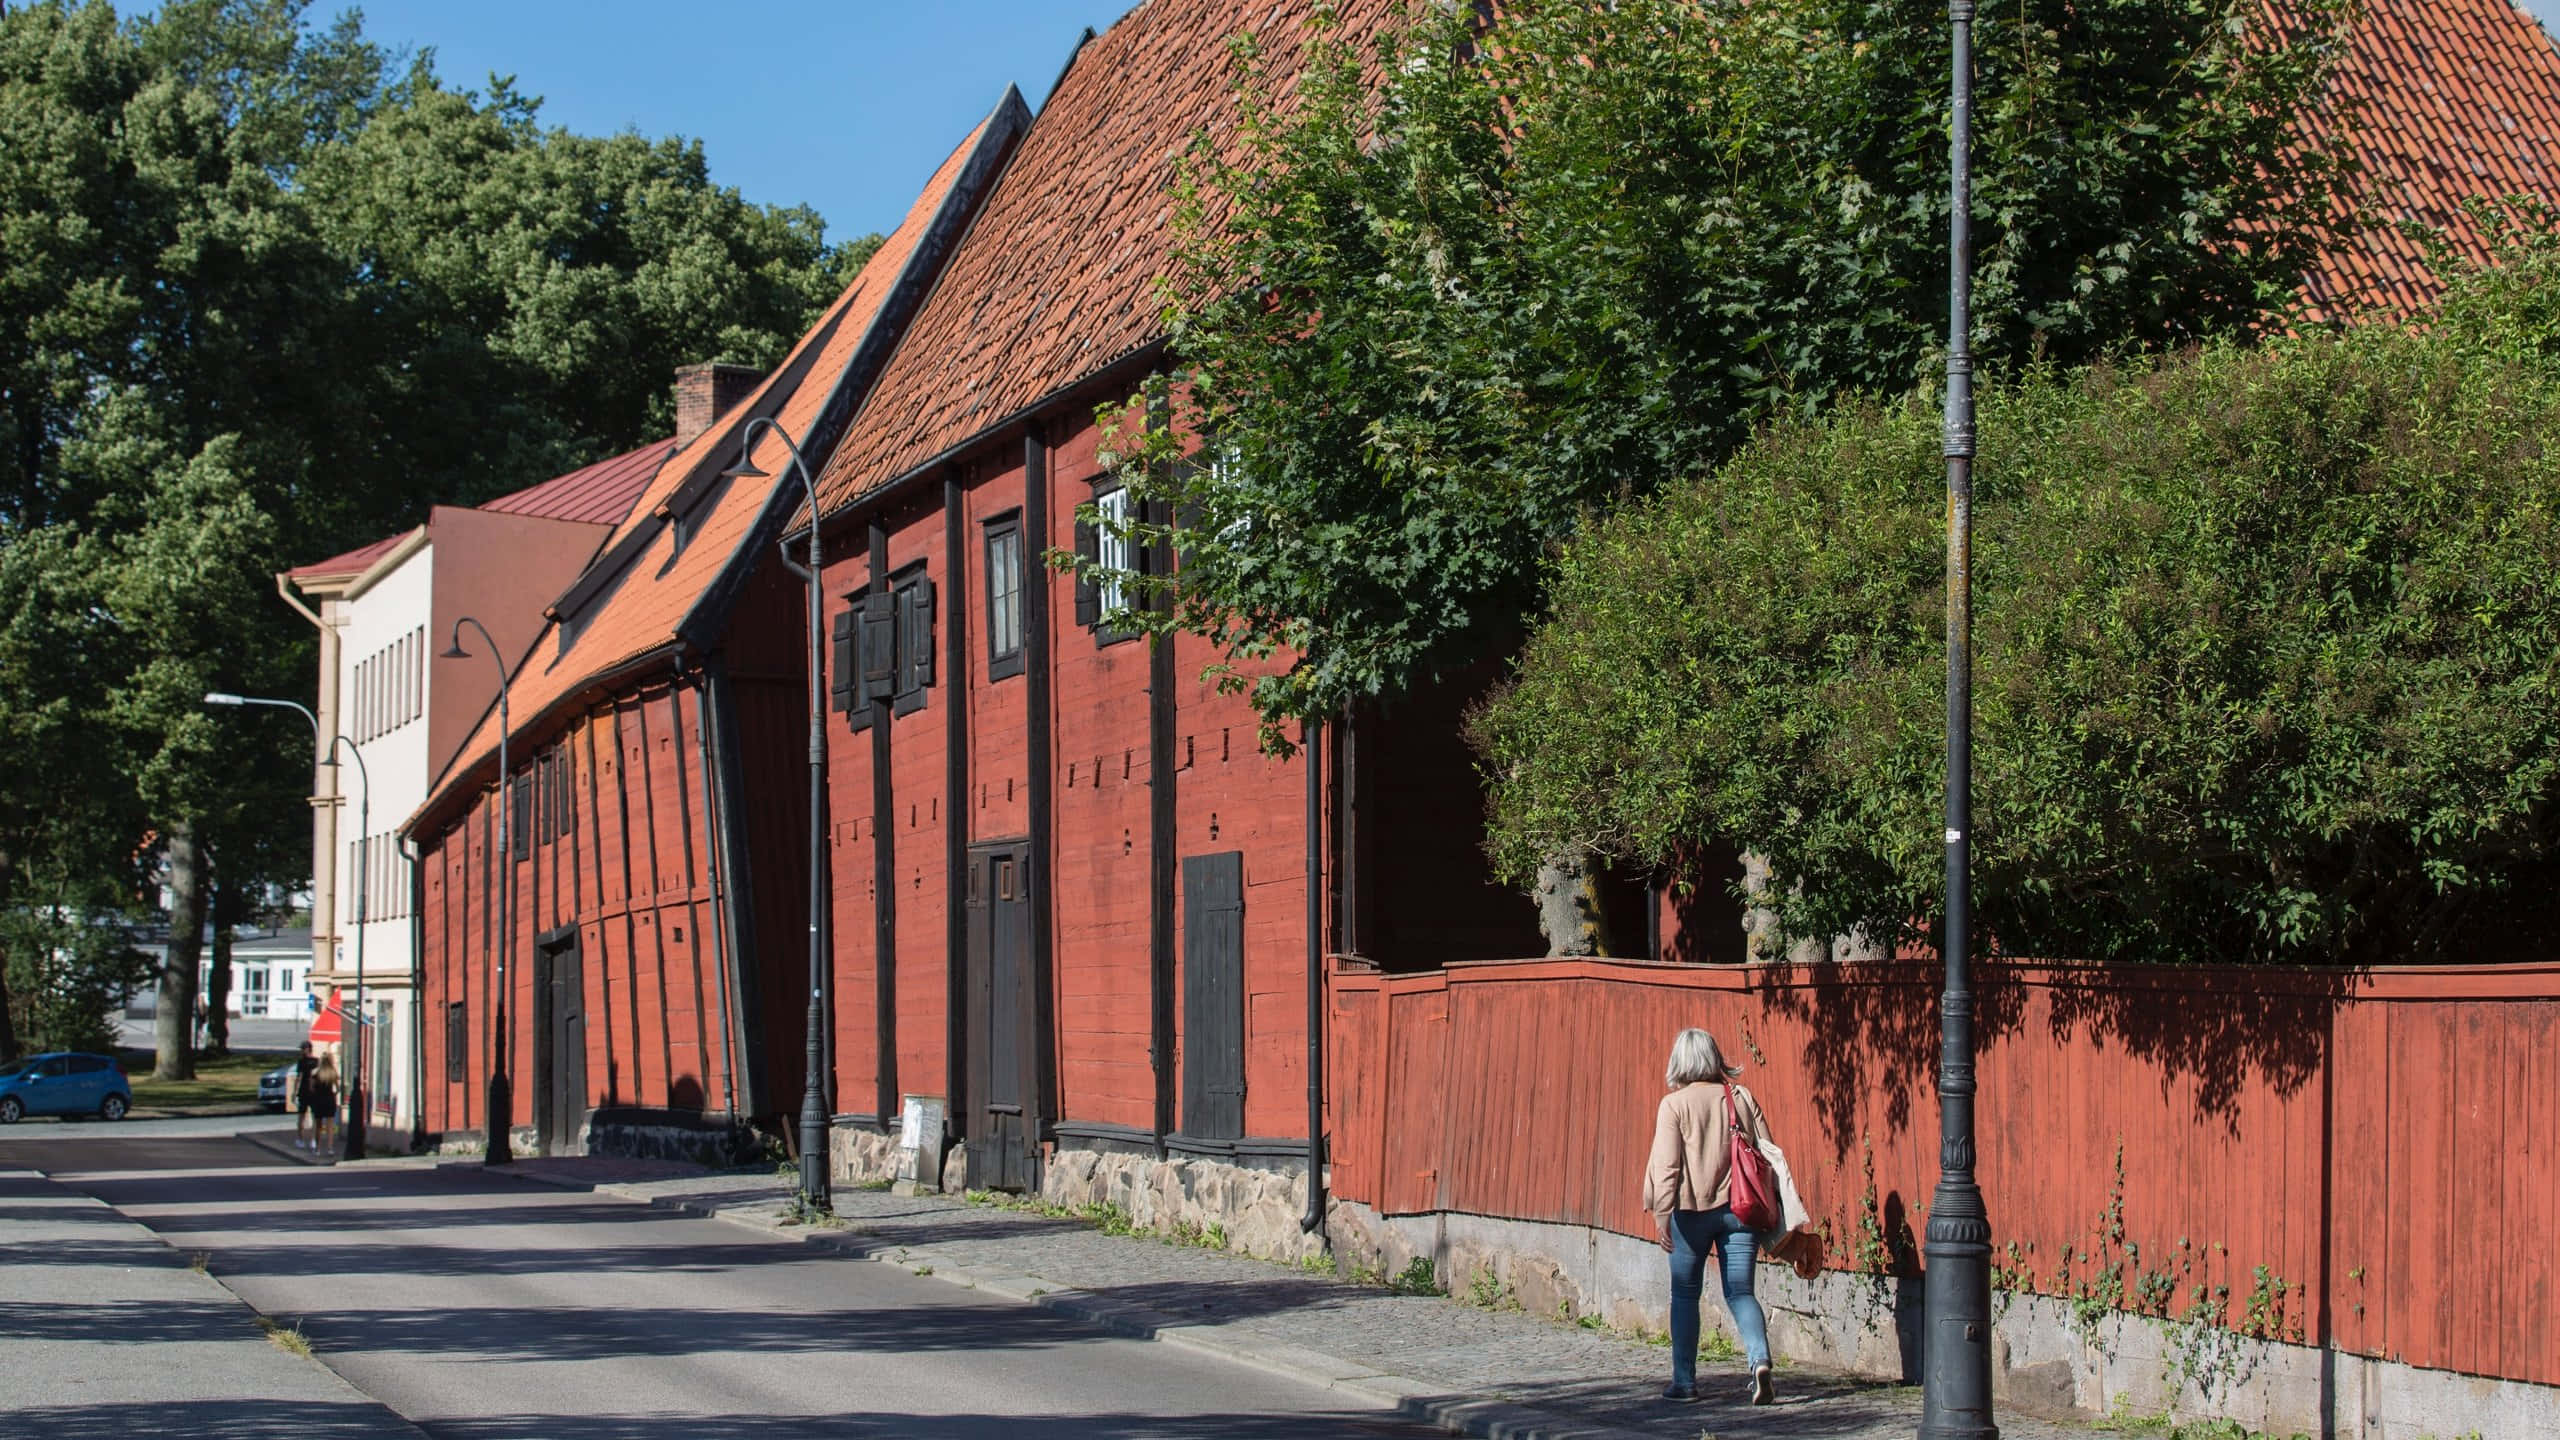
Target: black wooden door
{"points": [[560, 1064], [1003, 1113], [1213, 996]]}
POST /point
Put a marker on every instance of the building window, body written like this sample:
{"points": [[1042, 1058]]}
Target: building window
{"points": [[884, 648], [1106, 546], [457, 1040], [1004, 597]]}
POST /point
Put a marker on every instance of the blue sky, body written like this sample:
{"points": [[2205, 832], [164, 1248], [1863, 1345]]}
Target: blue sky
{"points": [[844, 106]]}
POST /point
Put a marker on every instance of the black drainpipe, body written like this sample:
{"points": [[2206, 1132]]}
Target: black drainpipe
{"points": [[1312, 736]]}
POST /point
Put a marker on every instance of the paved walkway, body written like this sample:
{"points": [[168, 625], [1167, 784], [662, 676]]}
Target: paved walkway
{"points": [[1480, 1372], [110, 1334]]}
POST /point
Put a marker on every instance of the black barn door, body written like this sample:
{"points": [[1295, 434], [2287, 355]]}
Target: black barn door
{"points": [[560, 1057], [1002, 1117], [1213, 996]]}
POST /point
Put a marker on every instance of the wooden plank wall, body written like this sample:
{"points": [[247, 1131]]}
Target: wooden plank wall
{"points": [[2387, 1139], [631, 874]]}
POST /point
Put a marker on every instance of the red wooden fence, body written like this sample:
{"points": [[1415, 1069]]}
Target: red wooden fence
{"points": [[2386, 1144]]}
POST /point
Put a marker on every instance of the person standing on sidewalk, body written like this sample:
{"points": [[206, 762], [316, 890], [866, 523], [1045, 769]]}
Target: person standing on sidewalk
{"points": [[1686, 1186], [302, 1068], [324, 1103]]}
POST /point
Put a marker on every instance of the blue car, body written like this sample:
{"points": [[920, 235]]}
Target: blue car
{"points": [[63, 1083]]}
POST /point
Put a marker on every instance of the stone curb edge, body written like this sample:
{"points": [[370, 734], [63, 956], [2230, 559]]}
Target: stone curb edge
{"points": [[1479, 1416]]}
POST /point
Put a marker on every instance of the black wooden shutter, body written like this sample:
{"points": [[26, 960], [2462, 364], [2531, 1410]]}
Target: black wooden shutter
{"points": [[1213, 996], [919, 638], [840, 685], [520, 817], [457, 1039], [1088, 594], [879, 624]]}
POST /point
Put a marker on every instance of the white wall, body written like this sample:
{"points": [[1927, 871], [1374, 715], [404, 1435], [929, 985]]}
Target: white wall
{"points": [[384, 668]]}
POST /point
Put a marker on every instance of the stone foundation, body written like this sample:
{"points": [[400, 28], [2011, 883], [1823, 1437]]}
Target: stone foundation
{"points": [[704, 1138], [1255, 1209], [2043, 1363]]}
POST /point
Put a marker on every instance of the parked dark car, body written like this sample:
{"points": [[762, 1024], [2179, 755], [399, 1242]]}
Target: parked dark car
{"points": [[64, 1082]]}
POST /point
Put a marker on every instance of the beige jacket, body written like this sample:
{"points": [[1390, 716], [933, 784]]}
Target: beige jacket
{"points": [[1692, 1149]]}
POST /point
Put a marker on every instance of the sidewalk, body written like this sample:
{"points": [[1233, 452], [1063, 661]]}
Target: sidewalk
{"points": [[112, 1335], [1472, 1371]]}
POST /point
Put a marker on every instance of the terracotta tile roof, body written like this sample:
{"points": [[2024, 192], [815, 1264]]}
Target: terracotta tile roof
{"points": [[1056, 279], [599, 494], [2458, 98], [690, 526], [351, 564]]}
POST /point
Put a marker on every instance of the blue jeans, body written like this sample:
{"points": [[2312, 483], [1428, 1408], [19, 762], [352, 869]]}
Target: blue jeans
{"points": [[1693, 1234]]}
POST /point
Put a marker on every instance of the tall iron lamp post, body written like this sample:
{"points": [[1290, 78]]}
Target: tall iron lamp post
{"points": [[356, 1098], [501, 1101], [814, 1119], [1956, 1385]]}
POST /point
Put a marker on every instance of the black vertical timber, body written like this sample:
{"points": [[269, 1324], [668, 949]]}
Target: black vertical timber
{"points": [[955, 806], [884, 859], [1038, 771], [1161, 842], [757, 1094]]}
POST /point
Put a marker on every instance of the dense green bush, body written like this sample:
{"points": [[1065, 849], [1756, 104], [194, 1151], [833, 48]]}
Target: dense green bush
{"points": [[2268, 657]]}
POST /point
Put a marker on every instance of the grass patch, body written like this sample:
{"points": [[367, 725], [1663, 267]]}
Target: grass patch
{"points": [[2123, 1421], [288, 1338], [224, 1084]]}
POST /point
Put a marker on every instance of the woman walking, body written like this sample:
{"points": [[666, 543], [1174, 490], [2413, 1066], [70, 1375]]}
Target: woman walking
{"points": [[323, 1091], [1686, 1186]]}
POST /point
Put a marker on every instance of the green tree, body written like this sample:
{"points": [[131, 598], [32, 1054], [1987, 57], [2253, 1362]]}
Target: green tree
{"points": [[1448, 294], [264, 295], [2265, 646]]}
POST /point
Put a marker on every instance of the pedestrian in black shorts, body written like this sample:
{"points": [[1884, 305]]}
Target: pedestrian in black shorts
{"points": [[302, 1069]]}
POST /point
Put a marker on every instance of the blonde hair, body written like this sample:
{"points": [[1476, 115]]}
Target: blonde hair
{"points": [[327, 1073], [1695, 1056]]}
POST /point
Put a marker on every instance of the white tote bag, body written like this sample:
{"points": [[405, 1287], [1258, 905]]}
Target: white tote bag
{"points": [[1792, 1214]]}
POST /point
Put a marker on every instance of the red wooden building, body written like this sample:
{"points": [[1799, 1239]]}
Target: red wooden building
{"points": [[1071, 896], [643, 920]]}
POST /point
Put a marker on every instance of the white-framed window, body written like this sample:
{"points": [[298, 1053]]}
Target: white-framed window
{"points": [[1115, 551]]}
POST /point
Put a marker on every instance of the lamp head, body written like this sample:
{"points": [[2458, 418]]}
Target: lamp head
{"points": [[222, 697], [746, 468], [454, 651]]}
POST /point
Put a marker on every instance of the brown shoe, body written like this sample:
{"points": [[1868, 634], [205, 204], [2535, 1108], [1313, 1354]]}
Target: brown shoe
{"points": [[1764, 1391]]}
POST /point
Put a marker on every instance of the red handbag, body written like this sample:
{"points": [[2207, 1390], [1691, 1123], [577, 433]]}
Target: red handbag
{"points": [[1751, 1186]]}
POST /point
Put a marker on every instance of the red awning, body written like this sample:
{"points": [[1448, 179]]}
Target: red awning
{"points": [[327, 1028]]}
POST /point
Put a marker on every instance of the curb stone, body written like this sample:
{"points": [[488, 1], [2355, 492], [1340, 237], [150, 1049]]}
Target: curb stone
{"points": [[1481, 1416]]}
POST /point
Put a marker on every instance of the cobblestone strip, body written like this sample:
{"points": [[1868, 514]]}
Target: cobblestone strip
{"points": [[1471, 1371]]}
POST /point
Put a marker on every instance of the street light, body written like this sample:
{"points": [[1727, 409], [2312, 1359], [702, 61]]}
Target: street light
{"points": [[1955, 1395], [353, 1130], [501, 1100], [814, 1119]]}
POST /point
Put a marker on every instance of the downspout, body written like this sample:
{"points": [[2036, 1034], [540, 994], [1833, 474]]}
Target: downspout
{"points": [[711, 884], [408, 850], [1312, 739]]}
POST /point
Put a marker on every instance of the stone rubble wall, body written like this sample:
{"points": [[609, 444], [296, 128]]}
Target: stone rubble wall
{"points": [[2044, 1361], [1256, 1209]]}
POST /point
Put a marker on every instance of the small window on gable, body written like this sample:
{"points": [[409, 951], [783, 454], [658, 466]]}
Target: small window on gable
{"points": [[1004, 597]]}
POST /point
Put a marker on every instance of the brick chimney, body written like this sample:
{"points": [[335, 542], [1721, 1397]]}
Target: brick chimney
{"points": [[706, 392]]}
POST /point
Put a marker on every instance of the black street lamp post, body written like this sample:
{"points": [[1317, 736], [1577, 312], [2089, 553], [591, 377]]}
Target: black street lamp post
{"points": [[501, 1099], [1956, 1384], [814, 1119], [351, 1025]]}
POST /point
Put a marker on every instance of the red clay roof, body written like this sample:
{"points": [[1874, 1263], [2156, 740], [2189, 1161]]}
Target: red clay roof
{"points": [[2458, 98], [599, 494], [2452, 100], [1056, 279], [351, 564], [656, 583]]}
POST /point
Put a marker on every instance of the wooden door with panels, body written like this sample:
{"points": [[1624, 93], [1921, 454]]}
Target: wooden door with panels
{"points": [[1002, 1110]]}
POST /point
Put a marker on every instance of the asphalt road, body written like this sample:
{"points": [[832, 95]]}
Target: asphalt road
{"points": [[482, 1307]]}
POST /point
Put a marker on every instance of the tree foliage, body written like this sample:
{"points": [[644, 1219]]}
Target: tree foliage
{"points": [[267, 293], [1446, 293], [2267, 644]]}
